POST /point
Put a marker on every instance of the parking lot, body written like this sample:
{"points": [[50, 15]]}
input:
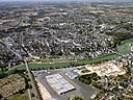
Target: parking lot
{"points": [[79, 89]]}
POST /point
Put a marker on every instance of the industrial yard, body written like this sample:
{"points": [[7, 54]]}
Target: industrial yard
{"points": [[60, 86]]}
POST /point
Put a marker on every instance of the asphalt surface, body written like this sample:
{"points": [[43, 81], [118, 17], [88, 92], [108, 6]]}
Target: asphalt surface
{"points": [[82, 89]]}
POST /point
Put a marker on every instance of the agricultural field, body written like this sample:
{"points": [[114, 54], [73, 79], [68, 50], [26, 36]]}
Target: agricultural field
{"points": [[13, 87], [18, 96]]}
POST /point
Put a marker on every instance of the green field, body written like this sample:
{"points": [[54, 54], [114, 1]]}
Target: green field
{"points": [[124, 47], [71, 63], [19, 96]]}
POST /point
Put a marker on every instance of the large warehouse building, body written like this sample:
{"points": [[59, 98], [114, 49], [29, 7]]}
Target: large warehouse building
{"points": [[59, 84]]}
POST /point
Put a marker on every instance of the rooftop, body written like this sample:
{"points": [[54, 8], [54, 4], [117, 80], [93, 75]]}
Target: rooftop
{"points": [[59, 84]]}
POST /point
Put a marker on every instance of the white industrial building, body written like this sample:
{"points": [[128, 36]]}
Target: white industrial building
{"points": [[59, 84]]}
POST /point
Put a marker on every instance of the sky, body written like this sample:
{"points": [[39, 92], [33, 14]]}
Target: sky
{"points": [[76, 0]]}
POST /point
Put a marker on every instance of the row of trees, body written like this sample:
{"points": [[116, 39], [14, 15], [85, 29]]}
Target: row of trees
{"points": [[76, 98]]}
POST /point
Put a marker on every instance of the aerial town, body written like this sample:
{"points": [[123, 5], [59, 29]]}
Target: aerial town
{"points": [[66, 50]]}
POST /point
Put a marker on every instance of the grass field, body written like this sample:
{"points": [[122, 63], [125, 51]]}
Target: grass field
{"points": [[124, 47], [23, 96]]}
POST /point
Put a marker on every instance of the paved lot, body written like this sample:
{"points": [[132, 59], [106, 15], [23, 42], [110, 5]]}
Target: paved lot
{"points": [[81, 89]]}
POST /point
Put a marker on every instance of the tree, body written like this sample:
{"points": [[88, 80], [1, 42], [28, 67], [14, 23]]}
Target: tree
{"points": [[76, 98]]}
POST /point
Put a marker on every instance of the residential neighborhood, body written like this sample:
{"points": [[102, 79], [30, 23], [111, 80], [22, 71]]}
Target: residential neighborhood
{"points": [[66, 50]]}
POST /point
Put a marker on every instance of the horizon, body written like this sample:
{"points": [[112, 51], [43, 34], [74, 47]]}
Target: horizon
{"points": [[115, 1]]}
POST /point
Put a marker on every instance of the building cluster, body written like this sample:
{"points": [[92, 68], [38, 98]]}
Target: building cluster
{"points": [[82, 31]]}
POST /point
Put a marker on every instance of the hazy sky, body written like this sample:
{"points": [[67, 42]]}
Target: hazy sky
{"points": [[75, 0]]}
